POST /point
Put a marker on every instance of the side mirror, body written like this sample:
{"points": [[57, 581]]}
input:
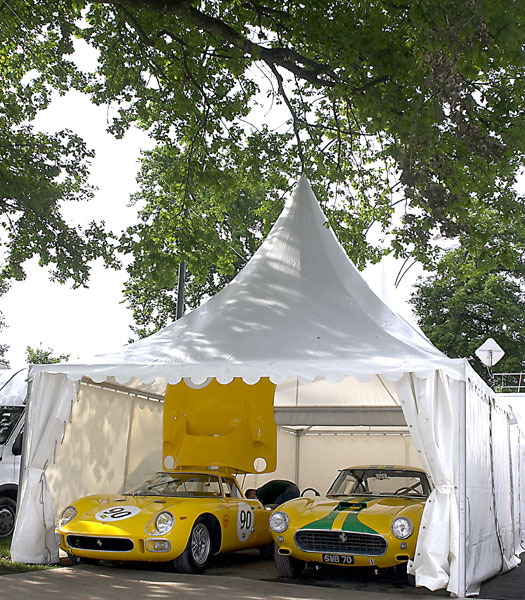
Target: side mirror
{"points": [[17, 446]]}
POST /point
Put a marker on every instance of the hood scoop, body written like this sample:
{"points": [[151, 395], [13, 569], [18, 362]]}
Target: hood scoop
{"points": [[349, 505]]}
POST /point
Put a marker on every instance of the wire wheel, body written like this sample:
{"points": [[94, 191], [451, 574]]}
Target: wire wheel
{"points": [[200, 544], [197, 553], [287, 565]]}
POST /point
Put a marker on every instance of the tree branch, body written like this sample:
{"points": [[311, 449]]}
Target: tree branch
{"points": [[302, 66]]}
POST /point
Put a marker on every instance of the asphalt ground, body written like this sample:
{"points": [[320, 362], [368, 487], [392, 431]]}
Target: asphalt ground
{"points": [[241, 575]]}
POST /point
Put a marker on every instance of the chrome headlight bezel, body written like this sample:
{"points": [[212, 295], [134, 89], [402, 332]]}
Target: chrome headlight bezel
{"points": [[279, 521], [67, 515], [402, 528], [163, 523]]}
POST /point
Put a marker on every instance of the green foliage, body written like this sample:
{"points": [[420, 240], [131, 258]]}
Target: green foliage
{"points": [[407, 120], [39, 172], [462, 305], [406, 117], [39, 356]]}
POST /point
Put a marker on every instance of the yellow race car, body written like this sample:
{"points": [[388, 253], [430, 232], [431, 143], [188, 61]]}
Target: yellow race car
{"points": [[369, 517], [180, 516]]}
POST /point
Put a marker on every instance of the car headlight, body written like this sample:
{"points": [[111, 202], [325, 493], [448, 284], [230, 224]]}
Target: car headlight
{"points": [[402, 528], [164, 522], [279, 521], [70, 512]]}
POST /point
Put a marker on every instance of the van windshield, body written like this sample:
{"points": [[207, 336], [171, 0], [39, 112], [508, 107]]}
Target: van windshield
{"points": [[9, 416]]}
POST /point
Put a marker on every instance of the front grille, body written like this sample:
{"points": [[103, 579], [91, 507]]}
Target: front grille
{"points": [[102, 544], [340, 542]]}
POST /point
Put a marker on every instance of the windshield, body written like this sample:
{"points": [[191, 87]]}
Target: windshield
{"points": [[9, 416], [179, 485], [379, 482]]}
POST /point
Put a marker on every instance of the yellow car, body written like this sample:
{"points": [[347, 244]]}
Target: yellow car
{"points": [[369, 517], [180, 516]]}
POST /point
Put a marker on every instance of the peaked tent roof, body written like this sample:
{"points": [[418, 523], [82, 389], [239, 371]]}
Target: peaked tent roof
{"points": [[299, 308]]}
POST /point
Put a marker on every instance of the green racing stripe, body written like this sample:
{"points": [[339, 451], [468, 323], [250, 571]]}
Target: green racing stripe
{"points": [[351, 523]]}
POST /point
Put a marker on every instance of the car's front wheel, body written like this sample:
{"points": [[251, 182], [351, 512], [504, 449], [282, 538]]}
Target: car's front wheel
{"points": [[197, 554], [287, 565], [7, 516]]}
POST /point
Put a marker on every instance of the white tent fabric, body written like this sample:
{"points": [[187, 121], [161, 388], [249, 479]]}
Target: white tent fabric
{"points": [[299, 309], [45, 424]]}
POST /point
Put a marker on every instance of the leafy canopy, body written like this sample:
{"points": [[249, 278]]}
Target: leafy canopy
{"points": [[38, 171], [460, 306], [406, 117]]}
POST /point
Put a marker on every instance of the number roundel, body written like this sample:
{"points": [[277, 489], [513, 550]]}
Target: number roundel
{"points": [[244, 521], [117, 513]]}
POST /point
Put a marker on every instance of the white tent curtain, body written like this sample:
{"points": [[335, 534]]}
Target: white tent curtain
{"points": [[493, 533], [430, 406], [46, 418]]}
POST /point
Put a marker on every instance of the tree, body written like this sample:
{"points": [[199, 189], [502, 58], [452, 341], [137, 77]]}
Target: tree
{"points": [[460, 306], [39, 172], [407, 117], [39, 356]]}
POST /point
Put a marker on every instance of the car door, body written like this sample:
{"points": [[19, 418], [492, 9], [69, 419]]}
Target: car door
{"points": [[244, 522]]}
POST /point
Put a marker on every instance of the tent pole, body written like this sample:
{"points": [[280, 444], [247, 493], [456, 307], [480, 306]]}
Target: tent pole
{"points": [[462, 551], [297, 451], [181, 282]]}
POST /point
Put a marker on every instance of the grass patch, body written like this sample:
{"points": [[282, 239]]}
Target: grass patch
{"points": [[8, 567]]}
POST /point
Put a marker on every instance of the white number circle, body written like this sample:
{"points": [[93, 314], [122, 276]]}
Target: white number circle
{"points": [[244, 521], [117, 513]]}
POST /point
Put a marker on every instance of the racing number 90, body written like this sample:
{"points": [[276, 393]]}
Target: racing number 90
{"points": [[246, 519]]}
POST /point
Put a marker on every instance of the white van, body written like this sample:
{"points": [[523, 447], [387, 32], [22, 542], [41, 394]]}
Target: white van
{"points": [[13, 391]]}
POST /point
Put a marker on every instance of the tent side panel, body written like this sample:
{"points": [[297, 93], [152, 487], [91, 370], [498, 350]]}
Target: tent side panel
{"points": [[430, 403], [491, 540], [145, 444], [92, 456], [483, 553], [48, 410]]}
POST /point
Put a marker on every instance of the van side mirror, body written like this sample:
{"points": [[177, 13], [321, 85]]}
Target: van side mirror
{"points": [[17, 446]]}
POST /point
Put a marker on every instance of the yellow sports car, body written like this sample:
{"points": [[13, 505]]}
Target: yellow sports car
{"points": [[369, 517], [181, 516]]}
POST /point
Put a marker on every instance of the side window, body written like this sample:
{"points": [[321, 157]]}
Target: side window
{"points": [[230, 488]]}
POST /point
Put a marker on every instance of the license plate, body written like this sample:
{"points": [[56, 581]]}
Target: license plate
{"points": [[338, 559]]}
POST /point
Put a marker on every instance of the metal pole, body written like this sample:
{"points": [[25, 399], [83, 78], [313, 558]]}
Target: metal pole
{"points": [[462, 551], [297, 456], [181, 281]]}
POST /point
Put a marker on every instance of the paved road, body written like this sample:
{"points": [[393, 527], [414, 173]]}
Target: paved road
{"points": [[231, 577]]}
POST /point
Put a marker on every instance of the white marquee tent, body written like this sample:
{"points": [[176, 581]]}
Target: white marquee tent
{"points": [[300, 312]]}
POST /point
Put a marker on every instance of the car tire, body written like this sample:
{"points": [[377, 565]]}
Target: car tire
{"points": [[287, 565], [7, 516], [197, 554]]}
